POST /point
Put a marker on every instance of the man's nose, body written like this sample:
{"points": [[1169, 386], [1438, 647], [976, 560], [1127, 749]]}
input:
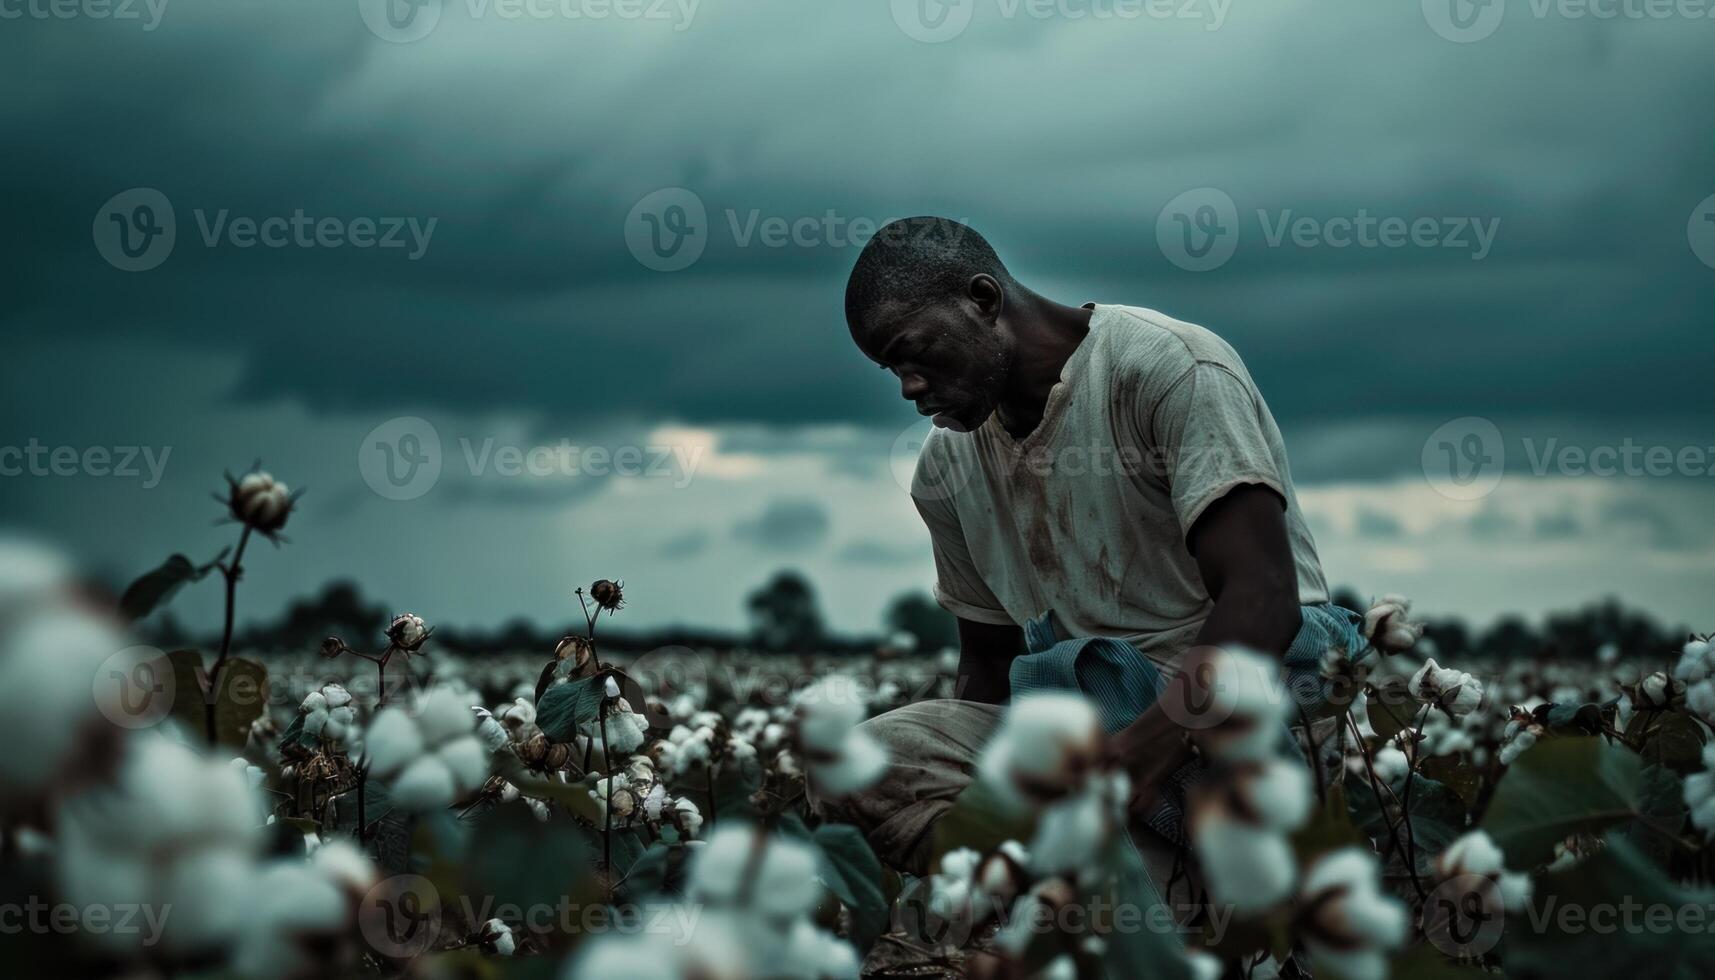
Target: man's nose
{"points": [[912, 386]]}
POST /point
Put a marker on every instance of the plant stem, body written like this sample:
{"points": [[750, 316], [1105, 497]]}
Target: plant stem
{"points": [[1315, 756], [231, 573]]}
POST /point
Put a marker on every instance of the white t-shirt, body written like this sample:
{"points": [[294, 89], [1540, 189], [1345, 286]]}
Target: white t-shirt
{"points": [[1152, 421]]}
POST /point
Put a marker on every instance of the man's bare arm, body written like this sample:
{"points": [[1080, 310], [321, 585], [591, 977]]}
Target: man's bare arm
{"points": [[986, 653], [1243, 551]]}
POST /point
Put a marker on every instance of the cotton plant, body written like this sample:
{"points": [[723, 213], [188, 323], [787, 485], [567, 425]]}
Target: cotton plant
{"points": [[329, 714], [1700, 794], [1696, 670], [617, 729], [1454, 691], [430, 754]]}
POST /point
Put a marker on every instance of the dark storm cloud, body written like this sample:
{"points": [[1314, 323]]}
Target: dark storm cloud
{"points": [[526, 146], [785, 525]]}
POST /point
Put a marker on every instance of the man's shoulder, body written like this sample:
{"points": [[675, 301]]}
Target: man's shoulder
{"points": [[1150, 340]]}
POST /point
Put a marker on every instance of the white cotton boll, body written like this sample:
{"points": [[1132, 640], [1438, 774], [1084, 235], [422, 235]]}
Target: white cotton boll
{"points": [[1390, 764], [539, 810], [467, 760], [1353, 922], [392, 742], [205, 890], [493, 734], [315, 721], [786, 882], [1279, 792], [1248, 868], [610, 686], [336, 695], [1516, 889], [960, 864], [1069, 834], [313, 702], [293, 909], [1044, 748], [442, 715], [1455, 691], [425, 784], [499, 935], [48, 658], [342, 863], [829, 709], [1247, 696], [1695, 662], [1204, 964], [1473, 854], [862, 761], [1700, 794], [1514, 747], [1700, 698]]}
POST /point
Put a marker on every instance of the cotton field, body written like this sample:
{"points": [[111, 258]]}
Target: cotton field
{"points": [[375, 807]]}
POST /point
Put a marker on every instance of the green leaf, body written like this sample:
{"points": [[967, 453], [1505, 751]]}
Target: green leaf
{"points": [[240, 700], [1661, 815], [1437, 816], [1669, 738], [1330, 828], [1572, 719], [563, 707], [295, 740], [1456, 774], [1146, 944], [1392, 708], [153, 588], [1560, 787], [1604, 918], [513, 858], [978, 820], [655, 872], [733, 785], [854, 876]]}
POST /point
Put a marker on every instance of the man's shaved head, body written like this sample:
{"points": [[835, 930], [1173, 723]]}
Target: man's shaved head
{"points": [[927, 300], [913, 262]]}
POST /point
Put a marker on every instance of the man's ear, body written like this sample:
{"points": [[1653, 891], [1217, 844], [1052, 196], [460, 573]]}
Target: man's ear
{"points": [[987, 296]]}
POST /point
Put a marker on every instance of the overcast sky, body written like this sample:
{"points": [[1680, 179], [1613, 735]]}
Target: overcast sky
{"points": [[556, 246]]}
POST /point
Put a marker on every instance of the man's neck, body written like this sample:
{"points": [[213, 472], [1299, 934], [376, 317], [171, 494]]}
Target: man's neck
{"points": [[1045, 334]]}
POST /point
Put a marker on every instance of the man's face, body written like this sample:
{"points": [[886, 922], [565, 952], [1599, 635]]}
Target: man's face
{"points": [[951, 362]]}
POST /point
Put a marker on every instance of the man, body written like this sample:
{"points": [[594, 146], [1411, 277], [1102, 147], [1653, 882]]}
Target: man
{"points": [[1111, 465]]}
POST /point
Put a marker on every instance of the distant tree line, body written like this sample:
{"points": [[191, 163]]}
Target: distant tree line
{"points": [[785, 616]]}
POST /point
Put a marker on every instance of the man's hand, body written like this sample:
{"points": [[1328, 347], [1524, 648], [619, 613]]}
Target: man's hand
{"points": [[986, 653]]}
